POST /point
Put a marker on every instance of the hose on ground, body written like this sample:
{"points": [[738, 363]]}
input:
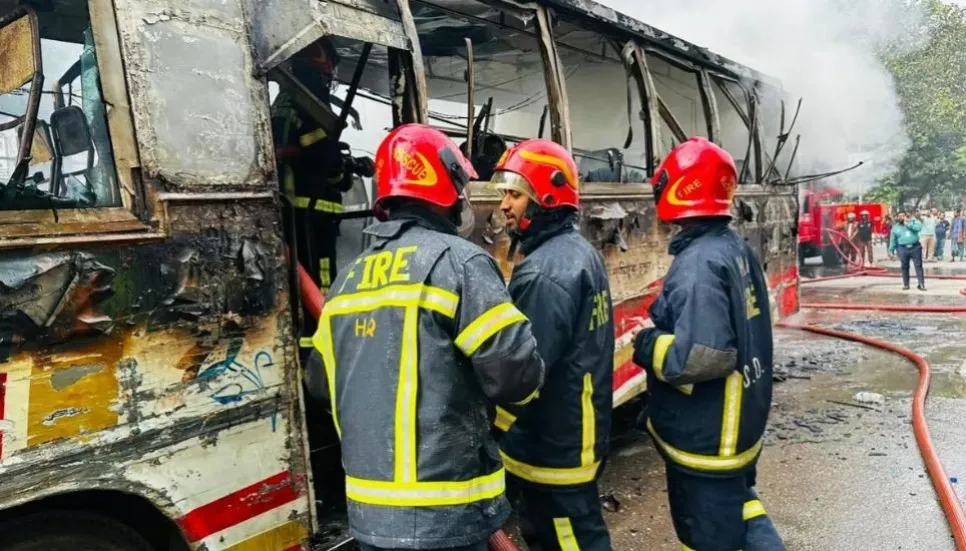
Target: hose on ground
{"points": [[948, 499], [885, 307], [313, 300], [853, 266]]}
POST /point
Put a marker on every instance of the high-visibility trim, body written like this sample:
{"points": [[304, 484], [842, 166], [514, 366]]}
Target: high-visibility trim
{"points": [[533, 396], [323, 342], [753, 509], [731, 415], [661, 346], [565, 534], [398, 296], [686, 389], [588, 422], [405, 433], [553, 476], [313, 137], [333, 207], [288, 184], [425, 494], [710, 463], [488, 324], [325, 273], [504, 419], [685, 548], [306, 342]]}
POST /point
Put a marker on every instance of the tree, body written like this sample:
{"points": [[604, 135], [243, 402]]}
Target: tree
{"points": [[931, 83]]}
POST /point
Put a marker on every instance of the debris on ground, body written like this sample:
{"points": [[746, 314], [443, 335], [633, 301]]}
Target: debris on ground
{"points": [[869, 398], [819, 357], [610, 503]]}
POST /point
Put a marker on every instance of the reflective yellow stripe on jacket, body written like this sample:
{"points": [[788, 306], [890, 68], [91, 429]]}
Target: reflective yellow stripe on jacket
{"points": [[488, 324], [712, 463], [661, 346], [405, 489], [551, 476]]}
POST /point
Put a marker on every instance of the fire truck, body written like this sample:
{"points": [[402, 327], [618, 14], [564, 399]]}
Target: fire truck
{"points": [[822, 220], [150, 389]]}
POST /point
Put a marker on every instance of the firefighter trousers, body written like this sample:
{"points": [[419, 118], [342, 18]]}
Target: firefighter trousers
{"points": [[555, 518], [719, 514]]}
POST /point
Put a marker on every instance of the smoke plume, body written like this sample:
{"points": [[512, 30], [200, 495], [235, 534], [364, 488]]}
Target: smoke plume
{"points": [[824, 51]]}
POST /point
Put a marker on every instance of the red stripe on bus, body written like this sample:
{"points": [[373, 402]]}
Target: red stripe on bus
{"points": [[237, 507]]}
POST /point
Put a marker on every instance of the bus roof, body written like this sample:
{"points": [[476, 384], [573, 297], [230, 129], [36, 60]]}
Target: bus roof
{"points": [[662, 40]]}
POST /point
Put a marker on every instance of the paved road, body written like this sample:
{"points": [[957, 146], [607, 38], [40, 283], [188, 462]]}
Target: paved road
{"points": [[834, 477]]}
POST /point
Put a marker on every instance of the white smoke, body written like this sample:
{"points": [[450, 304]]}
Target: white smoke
{"points": [[824, 51]]}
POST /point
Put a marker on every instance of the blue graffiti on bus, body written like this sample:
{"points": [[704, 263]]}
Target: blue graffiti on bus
{"points": [[250, 381]]}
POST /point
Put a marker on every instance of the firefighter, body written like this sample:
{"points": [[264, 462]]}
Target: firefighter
{"points": [[708, 358], [416, 335], [311, 165], [863, 237], [851, 232], [553, 447]]}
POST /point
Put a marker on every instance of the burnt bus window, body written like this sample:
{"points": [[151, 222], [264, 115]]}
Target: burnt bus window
{"points": [[734, 132], [600, 116], [769, 116], [70, 163], [510, 87], [681, 92]]}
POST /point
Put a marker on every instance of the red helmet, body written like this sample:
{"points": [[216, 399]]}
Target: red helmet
{"points": [[697, 178], [542, 169], [420, 162]]}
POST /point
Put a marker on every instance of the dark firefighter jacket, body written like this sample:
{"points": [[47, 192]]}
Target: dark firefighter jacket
{"points": [[709, 357], [312, 181], [415, 337], [561, 436]]}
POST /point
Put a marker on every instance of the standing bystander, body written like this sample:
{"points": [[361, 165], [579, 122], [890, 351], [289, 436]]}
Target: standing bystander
{"points": [[957, 242], [905, 241], [927, 234], [942, 230]]}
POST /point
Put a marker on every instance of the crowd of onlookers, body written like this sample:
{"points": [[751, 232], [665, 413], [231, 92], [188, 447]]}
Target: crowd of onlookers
{"points": [[913, 237], [938, 233]]}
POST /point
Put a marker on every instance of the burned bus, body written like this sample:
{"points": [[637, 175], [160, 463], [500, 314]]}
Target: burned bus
{"points": [[150, 393]]}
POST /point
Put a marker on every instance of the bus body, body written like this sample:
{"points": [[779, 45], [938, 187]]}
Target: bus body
{"points": [[149, 322]]}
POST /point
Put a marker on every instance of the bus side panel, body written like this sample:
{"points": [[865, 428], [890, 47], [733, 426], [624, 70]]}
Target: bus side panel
{"points": [[165, 370]]}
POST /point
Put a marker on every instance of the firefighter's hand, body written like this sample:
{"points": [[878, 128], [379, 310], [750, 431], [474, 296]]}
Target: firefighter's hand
{"points": [[639, 324]]}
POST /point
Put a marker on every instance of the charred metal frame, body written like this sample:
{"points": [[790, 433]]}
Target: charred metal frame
{"points": [[139, 217], [417, 71], [36, 83]]}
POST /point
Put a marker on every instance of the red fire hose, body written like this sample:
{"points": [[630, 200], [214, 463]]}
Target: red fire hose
{"points": [[313, 300], [948, 499], [854, 267], [885, 307]]}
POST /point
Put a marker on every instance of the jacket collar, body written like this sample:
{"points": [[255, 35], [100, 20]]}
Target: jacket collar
{"points": [[696, 230], [545, 228], [411, 215]]}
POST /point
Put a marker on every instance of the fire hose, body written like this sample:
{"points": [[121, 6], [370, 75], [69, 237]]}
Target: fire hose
{"points": [[952, 508], [313, 300], [843, 238], [949, 501]]}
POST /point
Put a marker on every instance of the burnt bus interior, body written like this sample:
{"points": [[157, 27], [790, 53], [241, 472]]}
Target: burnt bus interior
{"points": [[56, 101]]}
